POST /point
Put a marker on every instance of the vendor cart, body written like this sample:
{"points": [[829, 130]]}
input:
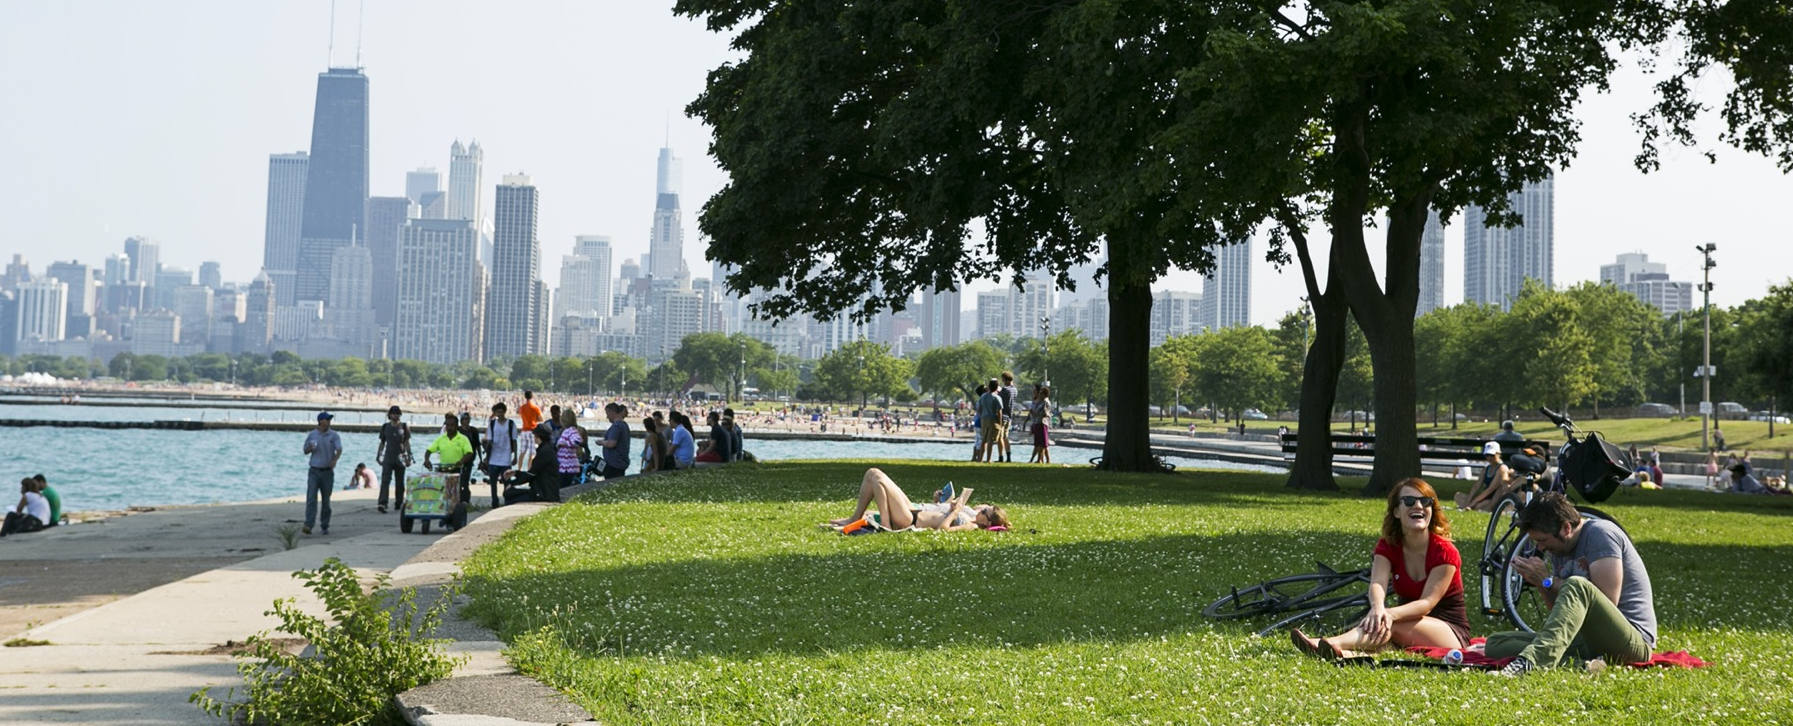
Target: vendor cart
{"points": [[430, 497]]}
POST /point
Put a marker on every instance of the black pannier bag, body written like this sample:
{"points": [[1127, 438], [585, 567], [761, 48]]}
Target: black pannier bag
{"points": [[1595, 468]]}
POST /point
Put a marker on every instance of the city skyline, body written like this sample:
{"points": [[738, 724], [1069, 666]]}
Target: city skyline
{"points": [[593, 147]]}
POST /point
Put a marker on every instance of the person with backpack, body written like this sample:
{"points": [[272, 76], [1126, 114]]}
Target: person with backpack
{"points": [[393, 454], [501, 448]]}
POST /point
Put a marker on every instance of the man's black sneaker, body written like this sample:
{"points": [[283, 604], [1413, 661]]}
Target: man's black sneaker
{"points": [[1519, 667]]}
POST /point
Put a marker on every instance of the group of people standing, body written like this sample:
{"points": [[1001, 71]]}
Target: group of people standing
{"points": [[996, 417]]}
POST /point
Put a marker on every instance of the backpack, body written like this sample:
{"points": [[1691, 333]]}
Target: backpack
{"points": [[1595, 468]]}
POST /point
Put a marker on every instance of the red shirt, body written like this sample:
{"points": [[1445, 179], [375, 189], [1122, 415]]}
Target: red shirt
{"points": [[1439, 551]]}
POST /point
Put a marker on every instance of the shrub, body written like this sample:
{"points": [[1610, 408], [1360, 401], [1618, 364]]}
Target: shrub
{"points": [[374, 647]]}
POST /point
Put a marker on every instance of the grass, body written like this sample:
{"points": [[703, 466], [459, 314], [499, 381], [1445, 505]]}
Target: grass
{"points": [[712, 597]]}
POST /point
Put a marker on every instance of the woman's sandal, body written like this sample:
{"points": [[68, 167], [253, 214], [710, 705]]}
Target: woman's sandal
{"points": [[1310, 646]]}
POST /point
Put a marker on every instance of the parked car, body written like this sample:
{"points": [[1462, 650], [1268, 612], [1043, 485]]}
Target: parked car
{"points": [[1766, 416], [1732, 410], [1155, 410], [1252, 414], [1655, 410]]}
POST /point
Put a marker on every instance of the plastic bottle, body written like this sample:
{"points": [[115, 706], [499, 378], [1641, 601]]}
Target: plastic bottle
{"points": [[1455, 657]]}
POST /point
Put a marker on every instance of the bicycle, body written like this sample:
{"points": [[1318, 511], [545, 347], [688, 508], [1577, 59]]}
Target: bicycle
{"points": [[1316, 598], [1505, 540]]}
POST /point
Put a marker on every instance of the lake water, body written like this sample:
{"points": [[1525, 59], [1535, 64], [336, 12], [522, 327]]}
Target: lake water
{"points": [[100, 469]]}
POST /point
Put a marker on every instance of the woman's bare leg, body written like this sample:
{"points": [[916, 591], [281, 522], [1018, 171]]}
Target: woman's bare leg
{"points": [[879, 488], [867, 487], [1425, 631]]}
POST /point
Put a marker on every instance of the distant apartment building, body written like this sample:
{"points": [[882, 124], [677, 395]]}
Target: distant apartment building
{"points": [[1431, 266], [440, 291], [1498, 260], [1226, 291], [42, 310], [1634, 273], [514, 304], [1175, 313]]}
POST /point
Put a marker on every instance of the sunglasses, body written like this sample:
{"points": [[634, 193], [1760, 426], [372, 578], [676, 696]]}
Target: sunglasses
{"points": [[1422, 501]]}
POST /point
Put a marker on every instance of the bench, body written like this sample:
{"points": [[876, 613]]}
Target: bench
{"points": [[1432, 448]]}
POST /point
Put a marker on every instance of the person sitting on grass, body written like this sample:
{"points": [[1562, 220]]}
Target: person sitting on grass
{"points": [[895, 511], [1416, 559], [1599, 594], [1497, 481]]}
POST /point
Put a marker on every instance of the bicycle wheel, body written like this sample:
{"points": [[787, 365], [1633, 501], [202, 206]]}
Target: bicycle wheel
{"points": [[1503, 534], [1339, 616], [1270, 596], [1524, 604]]}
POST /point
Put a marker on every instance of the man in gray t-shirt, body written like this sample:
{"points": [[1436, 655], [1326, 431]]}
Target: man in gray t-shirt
{"points": [[1601, 603]]}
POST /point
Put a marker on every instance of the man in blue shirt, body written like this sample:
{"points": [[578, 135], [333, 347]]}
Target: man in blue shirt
{"points": [[989, 414], [325, 447], [616, 441]]}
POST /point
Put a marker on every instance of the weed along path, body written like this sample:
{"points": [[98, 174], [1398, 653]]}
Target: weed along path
{"points": [[712, 596]]}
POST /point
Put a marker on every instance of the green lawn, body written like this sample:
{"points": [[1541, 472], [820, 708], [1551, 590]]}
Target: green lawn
{"points": [[712, 597]]}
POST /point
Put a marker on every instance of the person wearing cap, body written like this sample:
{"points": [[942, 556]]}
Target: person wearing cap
{"points": [[324, 447], [394, 454], [1497, 481]]}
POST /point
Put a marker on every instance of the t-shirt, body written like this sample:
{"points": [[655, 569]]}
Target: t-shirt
{"points": [[394, 436], [325, 446], [1600, 539], [989, 407], [1439, 551], [499, 433], [37, 506], [531, 415], [617, 457], [1008, 401], [722, 442], [450, 450], [684, 448], [55, 501], [567, 449]]}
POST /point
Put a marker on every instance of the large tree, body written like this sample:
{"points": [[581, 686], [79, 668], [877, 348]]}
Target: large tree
{"points": [[957, 369], [865, 142]]}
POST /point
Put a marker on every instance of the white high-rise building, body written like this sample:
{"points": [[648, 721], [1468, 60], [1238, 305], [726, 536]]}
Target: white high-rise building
{"points": [[585, 279], [1174, 313], [440, 286], [286, 213], [1226, 292], [940, 318], [1431, 266], [350, 308], [1498, 260], [1015, 312], [678, 311], [666, 240], [43, 310], [82, 288], [464, 168], [1634, 273], [513, 304], [193, 306]]}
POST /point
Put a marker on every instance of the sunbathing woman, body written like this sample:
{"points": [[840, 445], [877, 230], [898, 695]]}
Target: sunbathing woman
{"points": [[1416, 559], [897, 512]]}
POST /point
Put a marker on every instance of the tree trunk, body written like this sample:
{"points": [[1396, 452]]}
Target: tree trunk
{"points": [[1319, 388], [1127, 444]]}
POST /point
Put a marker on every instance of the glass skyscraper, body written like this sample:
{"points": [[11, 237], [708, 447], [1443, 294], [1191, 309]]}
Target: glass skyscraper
{"points": [[1498, 260], [335, 178]]}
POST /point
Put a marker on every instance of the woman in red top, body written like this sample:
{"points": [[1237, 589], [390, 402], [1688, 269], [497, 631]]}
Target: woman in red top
{"points": [[1416, 559]]}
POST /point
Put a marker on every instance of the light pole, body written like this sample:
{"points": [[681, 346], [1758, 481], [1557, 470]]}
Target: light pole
{"points": [[863, 384], [743, 377], [1706, 357], [1045, 350], [591, 367]]}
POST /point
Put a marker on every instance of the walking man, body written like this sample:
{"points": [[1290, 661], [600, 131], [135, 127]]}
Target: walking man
{"points": [[394, 454], [616, 441], [1601, 603], [325, 447], [994, 428], [501, 447]]}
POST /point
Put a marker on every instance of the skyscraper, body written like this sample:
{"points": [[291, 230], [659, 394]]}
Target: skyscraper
{"points": [[335, 178], [940, 318], [420, 182], [349, 309], [1498, 260], [585, 279], [1634, 273], [257, 329], [666, 241], [513, 306], [82, 292], [286, 215], [1226, 292], [211, 274], [386, 216], [43, 310], [464, 167], [440, 282], [144, 254], [1174, 313], [1431, 266]]}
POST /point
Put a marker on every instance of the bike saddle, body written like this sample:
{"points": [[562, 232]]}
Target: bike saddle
{"points": [[1555, 418]]}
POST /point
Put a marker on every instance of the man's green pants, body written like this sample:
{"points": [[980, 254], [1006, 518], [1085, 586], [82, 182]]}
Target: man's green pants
{"points": [[1582, 625]]}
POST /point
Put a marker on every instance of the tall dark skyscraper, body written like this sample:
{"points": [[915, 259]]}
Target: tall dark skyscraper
{"points": [[335, 178], [514, 305]]}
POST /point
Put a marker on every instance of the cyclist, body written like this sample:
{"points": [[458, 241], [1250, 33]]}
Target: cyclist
{"points": [[1601, 604], [1416, 559]]}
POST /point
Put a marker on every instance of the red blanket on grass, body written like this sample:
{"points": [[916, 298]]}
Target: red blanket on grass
{"points": [[1677, 659]]}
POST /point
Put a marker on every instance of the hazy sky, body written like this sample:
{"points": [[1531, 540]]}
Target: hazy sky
{"points": [[133, 118]]}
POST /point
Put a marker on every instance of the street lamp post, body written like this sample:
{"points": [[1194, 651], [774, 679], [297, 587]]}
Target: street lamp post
{"points": [[743, 377], [591, 368], [1706, 371], [1045, 350], [863, 384]]}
